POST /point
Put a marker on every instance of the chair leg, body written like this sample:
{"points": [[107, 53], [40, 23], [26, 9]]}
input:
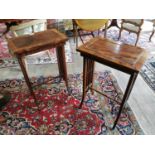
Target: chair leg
{"points": [[137, 39], [92, 34], [120, 34], [80, 36], [151, 35], [98, 32], [105, 30]]}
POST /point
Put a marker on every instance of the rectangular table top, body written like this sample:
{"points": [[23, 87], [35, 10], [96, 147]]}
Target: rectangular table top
{"points": [[114, 53], [33, 42]]}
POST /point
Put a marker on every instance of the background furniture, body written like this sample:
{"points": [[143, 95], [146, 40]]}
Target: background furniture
{"points": [[9, 23], [30, 44], [113, 23], [125, 58], [89, 25], [29, 27], [131, 25]]}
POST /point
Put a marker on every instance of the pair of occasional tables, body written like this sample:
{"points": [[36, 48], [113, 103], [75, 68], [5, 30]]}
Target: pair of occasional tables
{"points": [[126, 58]]}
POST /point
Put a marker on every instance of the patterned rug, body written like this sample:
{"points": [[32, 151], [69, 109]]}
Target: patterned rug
{"points": [[6, 59], [59, 114], [148, 72]]}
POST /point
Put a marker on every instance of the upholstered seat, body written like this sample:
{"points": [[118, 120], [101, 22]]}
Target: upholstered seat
{"points": [[131, 25]]}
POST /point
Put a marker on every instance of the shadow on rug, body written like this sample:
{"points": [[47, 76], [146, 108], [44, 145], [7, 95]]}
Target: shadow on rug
{"points": [[59, 114]]}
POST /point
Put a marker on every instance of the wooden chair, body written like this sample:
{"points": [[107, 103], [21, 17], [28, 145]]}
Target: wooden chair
{"points": [[89, 25], [131, 25], [30, 27]]}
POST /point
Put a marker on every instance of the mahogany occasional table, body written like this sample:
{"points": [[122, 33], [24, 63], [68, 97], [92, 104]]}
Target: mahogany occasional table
{"points": [[126, 58], [40, 41]]}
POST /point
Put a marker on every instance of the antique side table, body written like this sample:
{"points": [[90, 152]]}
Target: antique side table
{"points": [[126, 58], [40, 41]]}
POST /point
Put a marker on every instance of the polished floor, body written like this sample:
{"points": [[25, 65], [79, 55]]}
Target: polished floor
{"points": [[141, 101]]}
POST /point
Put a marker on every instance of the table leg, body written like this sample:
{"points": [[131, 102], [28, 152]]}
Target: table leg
{"points": [[90, 74], [84, 81], [88, 70], [126, 95], [62, 63], [21, 63]]}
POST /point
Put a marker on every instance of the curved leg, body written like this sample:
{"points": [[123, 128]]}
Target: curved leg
{"points": [[151, 35], [92, 34], [120, 33], [137, 39]]}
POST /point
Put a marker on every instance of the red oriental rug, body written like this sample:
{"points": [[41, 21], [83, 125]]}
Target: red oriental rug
{"points": [[59, 114]]}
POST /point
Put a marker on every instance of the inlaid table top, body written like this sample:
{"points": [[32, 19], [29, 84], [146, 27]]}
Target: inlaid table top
{"points": [[37, 41], [114, 53]]}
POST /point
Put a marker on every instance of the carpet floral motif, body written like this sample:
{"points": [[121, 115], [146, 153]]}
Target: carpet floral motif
{"points": [[57, 112], [148, 72]]}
